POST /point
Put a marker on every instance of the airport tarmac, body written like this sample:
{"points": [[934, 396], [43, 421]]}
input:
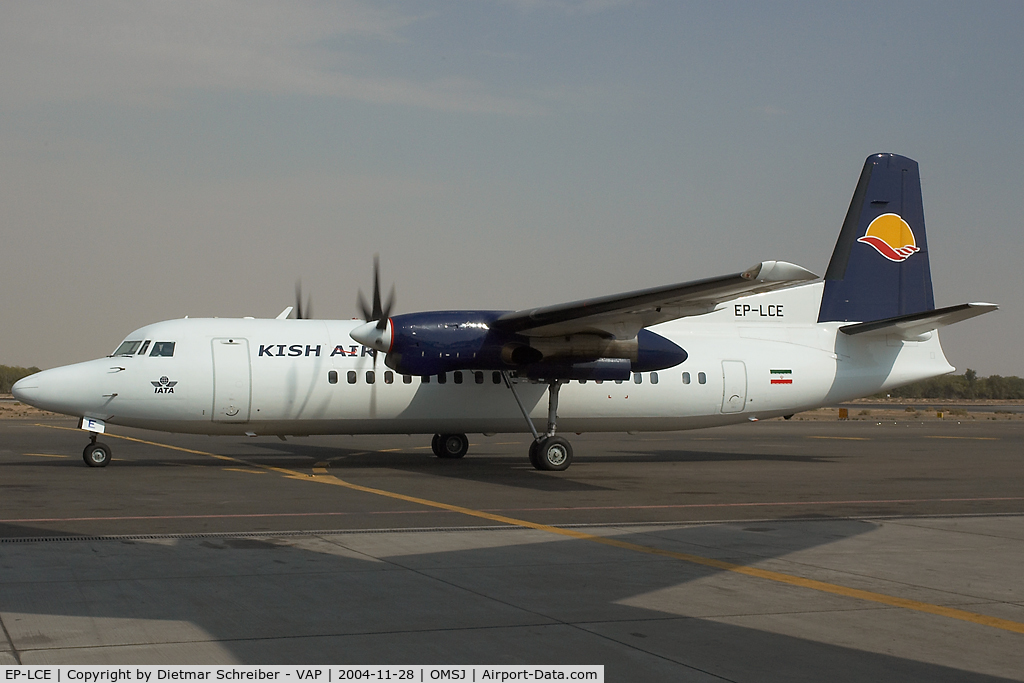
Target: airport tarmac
{"points": [[800, 550]]}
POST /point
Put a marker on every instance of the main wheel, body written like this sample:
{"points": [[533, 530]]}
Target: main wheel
{"points": [[553, 453], [534, 458], [435, 445], [96, 455], [452, 445]]}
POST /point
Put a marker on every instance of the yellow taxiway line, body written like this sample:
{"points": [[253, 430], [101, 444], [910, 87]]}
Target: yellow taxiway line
{"points": [[321, 476]]}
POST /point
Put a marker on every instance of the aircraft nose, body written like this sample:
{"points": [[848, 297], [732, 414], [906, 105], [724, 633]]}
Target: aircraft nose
{"points": [[71, 389], [26, 388]]}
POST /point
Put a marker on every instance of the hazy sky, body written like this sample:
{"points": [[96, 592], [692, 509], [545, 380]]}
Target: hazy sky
{"points": [[196, 158]]}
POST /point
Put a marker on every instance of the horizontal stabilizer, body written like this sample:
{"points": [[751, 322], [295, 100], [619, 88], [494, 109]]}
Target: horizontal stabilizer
{"points": [[911, 327], [622, 315]]}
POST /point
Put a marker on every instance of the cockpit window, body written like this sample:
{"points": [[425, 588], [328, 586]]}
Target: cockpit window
{"points": [[145, 347], [162, 349], [127, 348]]}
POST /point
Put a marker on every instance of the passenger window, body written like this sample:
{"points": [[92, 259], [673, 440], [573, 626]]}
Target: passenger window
{"points": [[638, 378], [686, 378], [162, 349], [351, 376], [654, 378], [370, 377], [442, 378], [598, 381], [145, 347], [618, 381], [582, 381], [389, 377], [332, 377], [496, 377], [127, 348], [702, 378], [406, 379], [478, 377], [457, 376]]}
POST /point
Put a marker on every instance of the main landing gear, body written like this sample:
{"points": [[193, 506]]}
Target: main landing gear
{"points": [[449, 445], [96, 454], [547, 452]]}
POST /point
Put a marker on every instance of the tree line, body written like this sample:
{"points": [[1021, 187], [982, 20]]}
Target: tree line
{"points": [[9, 375], [966, 386]]}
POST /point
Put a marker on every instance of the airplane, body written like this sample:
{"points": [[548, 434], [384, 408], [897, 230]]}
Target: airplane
{"points": [[772, 340]]}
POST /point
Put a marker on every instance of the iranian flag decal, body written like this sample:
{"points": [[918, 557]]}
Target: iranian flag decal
{"points": [[782, 376]]}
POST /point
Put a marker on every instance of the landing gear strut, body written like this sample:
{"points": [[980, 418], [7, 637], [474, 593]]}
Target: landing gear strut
{"points": [[449, 445], [548, 451], [96, 454]]}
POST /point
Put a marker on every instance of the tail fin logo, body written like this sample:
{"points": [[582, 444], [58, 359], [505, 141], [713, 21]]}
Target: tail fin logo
{"points": [[891, 237]]}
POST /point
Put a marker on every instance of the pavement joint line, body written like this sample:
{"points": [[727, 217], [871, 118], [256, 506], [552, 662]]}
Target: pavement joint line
{"points": [[290, 533], [300, 636], [10, 641], [969, 438], [754, 572], [578, 525]]}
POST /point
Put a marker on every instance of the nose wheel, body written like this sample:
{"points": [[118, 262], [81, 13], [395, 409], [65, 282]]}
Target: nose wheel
{"points": [[96, 454]]}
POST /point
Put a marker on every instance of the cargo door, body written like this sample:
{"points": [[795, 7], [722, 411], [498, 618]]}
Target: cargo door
{"points": [[734, 386], [231, 380]]}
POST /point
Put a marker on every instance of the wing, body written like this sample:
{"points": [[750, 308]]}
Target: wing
{"points": [[623, 315], [911, 326]]}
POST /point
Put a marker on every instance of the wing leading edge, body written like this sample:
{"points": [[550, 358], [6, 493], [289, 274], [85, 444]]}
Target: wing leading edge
{"points": [[622, 316]]}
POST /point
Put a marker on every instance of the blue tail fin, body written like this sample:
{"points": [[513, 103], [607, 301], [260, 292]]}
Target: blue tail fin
{"points": [[879, 268]]}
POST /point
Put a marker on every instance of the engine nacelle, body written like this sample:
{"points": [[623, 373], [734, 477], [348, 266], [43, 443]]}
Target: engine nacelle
{"points": [[444, 341], [602, 369]]}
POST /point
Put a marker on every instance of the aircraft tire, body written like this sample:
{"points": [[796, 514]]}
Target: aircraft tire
{"points": [[435, 445], [554, 453], [534, 458], [97, 455], [451, 446]]}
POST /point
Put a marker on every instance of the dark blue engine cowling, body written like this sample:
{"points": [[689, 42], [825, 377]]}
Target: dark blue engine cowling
{"points": [[602, 368], [655, 352], [442, 341]]}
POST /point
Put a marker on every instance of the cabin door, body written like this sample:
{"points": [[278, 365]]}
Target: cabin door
{"points": [[231, 380], [734, 386]]}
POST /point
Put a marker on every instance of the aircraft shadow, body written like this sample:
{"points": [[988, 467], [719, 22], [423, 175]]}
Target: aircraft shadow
{"points": [[346, 600]]}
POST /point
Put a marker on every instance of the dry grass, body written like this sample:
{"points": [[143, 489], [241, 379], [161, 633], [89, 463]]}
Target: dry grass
{"points": [[15, 410]]}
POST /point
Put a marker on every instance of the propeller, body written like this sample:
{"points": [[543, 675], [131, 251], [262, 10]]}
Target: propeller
{"points": [[300, 312], [378, 313], [375, 333]]}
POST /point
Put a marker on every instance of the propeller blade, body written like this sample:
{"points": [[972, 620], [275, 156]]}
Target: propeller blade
{"points": [[377, 311], [382, 322], [363, 308], [300, 312]]}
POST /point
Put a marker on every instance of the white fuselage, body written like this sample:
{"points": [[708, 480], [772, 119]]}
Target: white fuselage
{"points": [[756, 357]]}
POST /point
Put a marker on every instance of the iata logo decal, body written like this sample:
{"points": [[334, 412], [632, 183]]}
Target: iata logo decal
{"points": [[891, 237], [164, 386]]}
